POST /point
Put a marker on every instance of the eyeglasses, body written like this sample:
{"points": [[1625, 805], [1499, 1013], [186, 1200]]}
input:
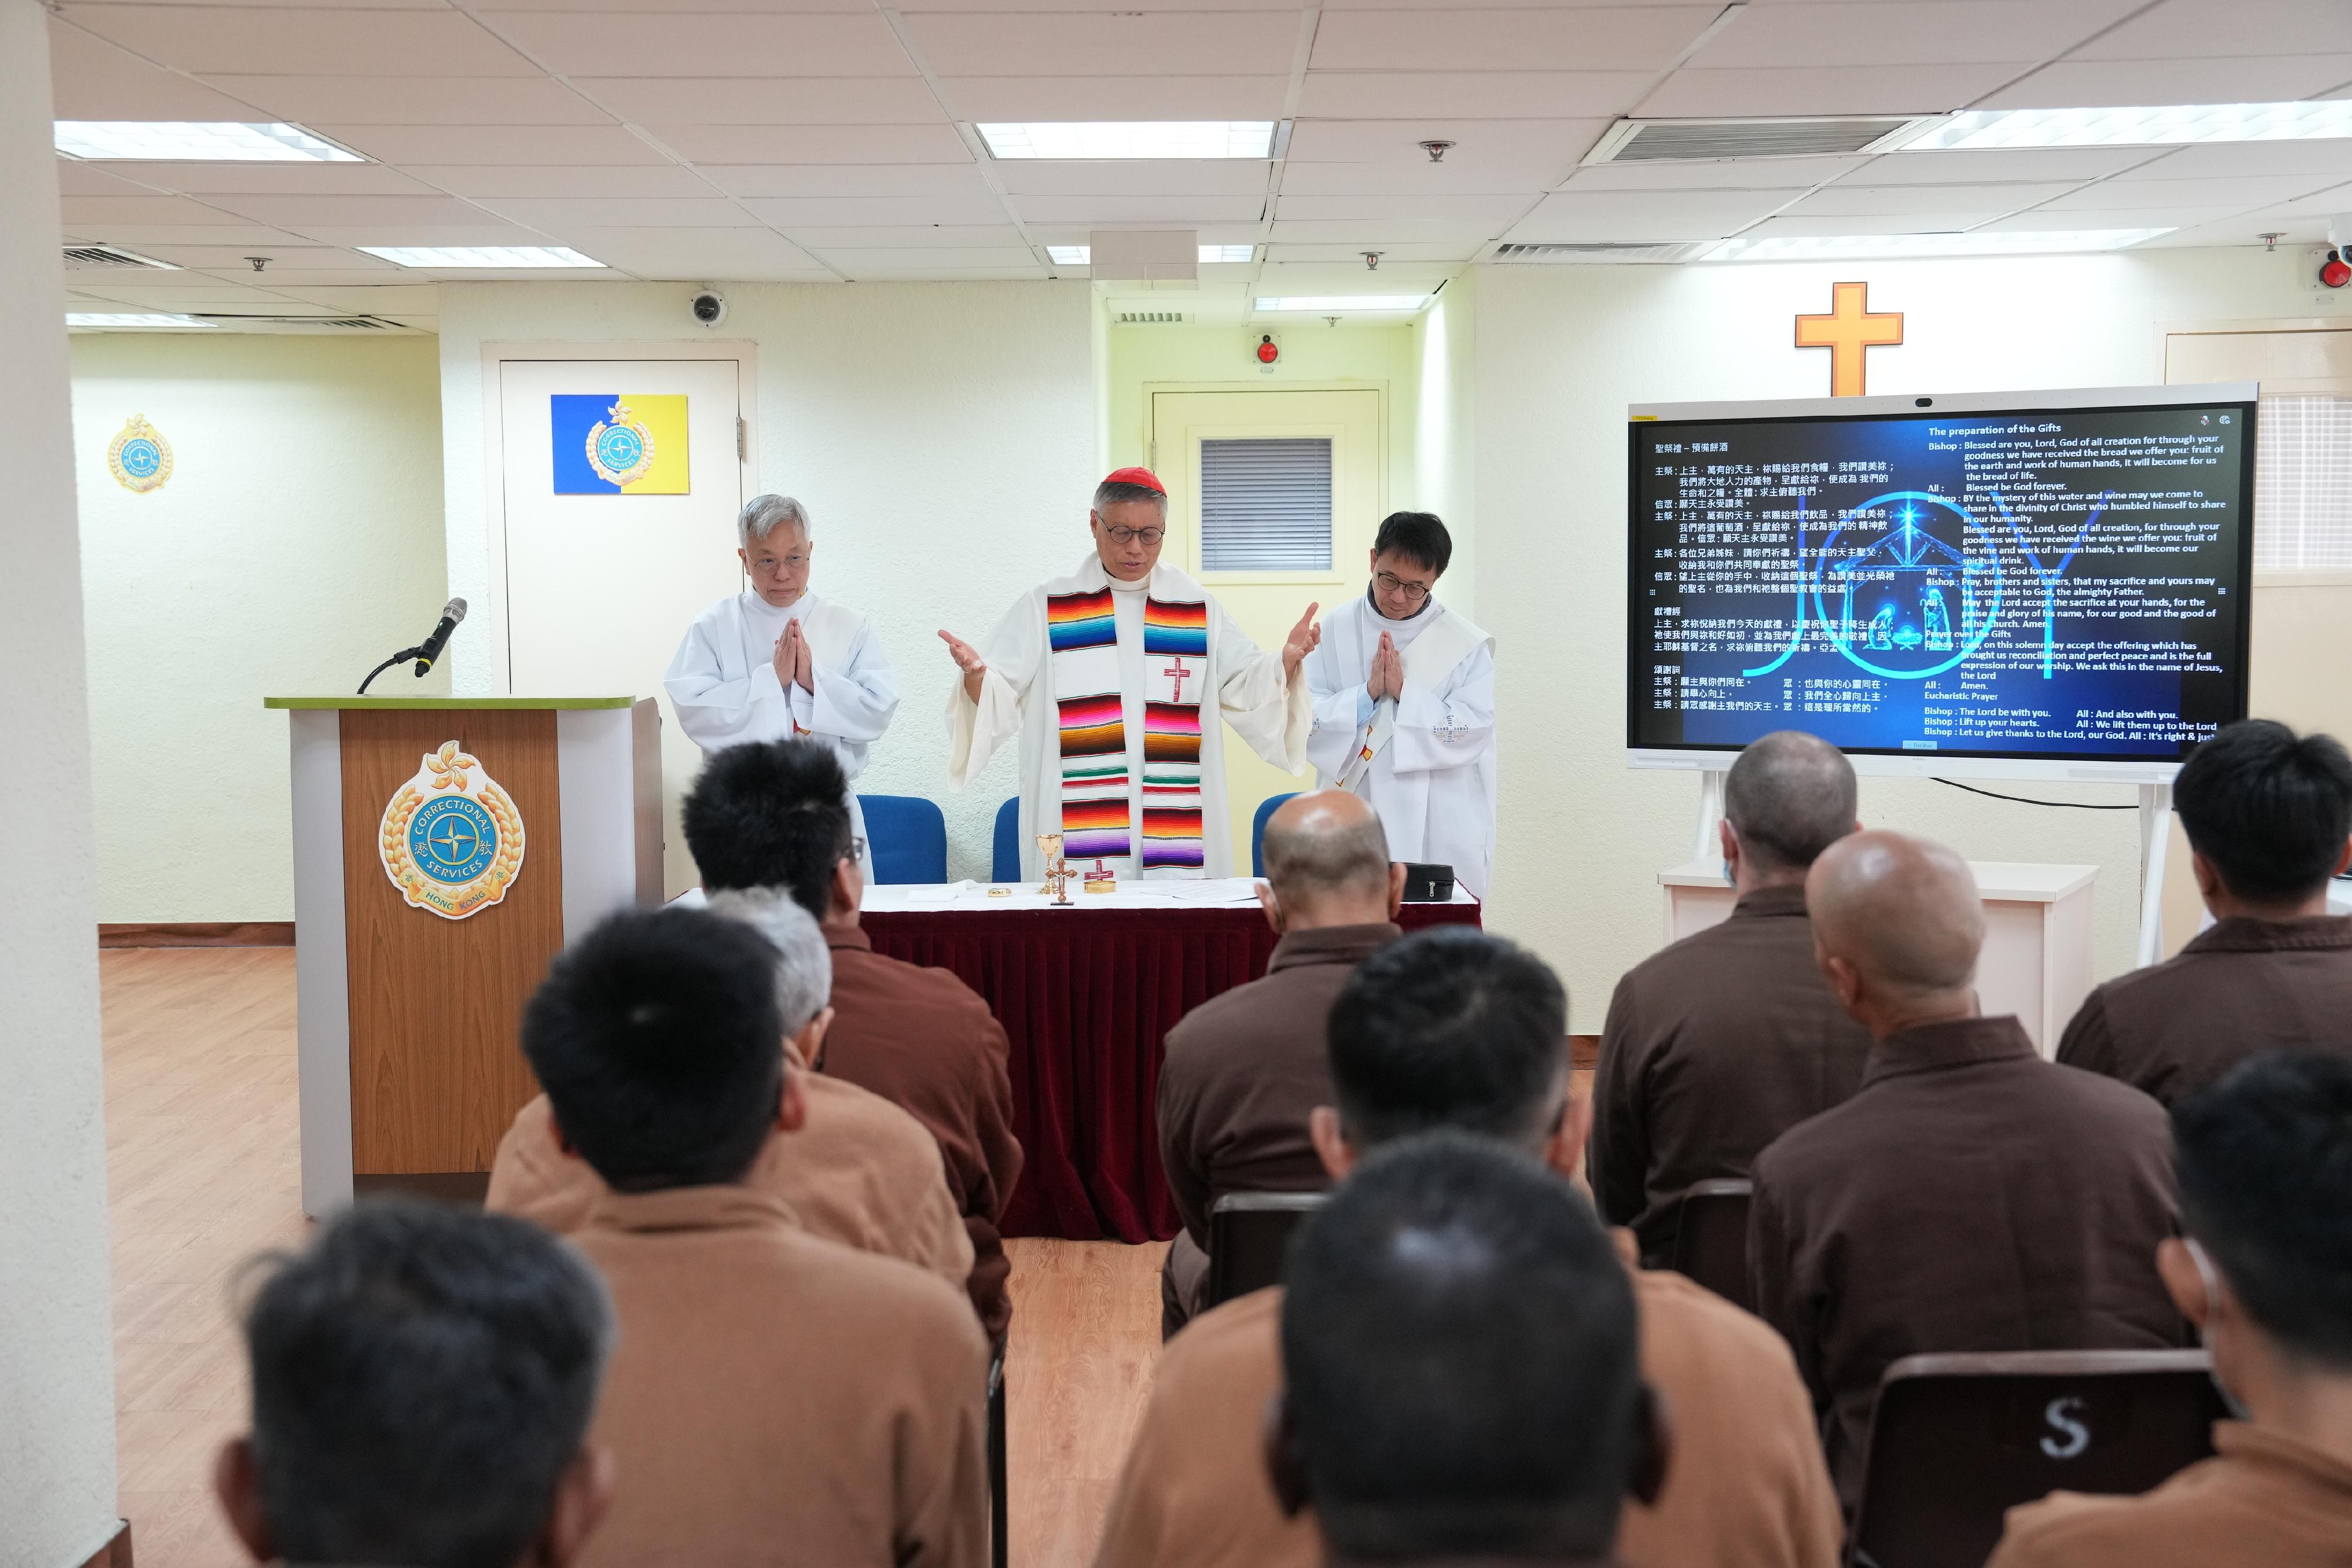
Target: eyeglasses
{"points": [[768, 565], [856, 850], [1390, 582], [1122, 534]]}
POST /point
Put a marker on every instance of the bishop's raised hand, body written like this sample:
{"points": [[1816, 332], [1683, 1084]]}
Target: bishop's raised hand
{"points": [[968, 660], [1302, 641]]}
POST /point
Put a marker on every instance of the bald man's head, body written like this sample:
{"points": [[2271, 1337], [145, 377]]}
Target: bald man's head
{"points": [[1327, 847], [1902, 915], [1790, 795]]}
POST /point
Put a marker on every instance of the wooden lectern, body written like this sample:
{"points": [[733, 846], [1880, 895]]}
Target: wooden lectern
{"points": [[445, 849]]}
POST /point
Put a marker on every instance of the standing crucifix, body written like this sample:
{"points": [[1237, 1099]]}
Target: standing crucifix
{"points": [[1176, 668]]}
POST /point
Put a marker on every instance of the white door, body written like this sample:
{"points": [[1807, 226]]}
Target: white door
{"points": [[601, 587]]}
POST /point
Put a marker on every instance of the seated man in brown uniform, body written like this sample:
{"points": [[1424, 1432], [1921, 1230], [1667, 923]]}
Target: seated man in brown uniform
{"points": [[2268, 815], [1970, 1197], [2264, 1161], [1725, 1040], [773, 1395], [856, 1169], [771, 815], [1243, 1070], [1454, 1029], [1460, 1377]]}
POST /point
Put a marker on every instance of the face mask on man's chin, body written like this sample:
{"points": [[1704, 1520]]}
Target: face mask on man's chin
{"points": [[2212, 1276]]}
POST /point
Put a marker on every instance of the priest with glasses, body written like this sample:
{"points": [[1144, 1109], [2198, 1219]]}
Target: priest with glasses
{"points": [[1404, 706], [1119, 678]]}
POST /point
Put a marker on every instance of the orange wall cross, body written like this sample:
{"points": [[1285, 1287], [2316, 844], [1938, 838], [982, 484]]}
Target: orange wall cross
{"points": [[1848, 332]]}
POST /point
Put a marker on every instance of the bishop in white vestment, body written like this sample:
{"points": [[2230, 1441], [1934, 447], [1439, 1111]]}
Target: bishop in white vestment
{"points": [[1120, 679], [777, 662], [1404, 706]]}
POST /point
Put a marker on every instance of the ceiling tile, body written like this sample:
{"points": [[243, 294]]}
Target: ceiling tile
{"points": [[1483, 209], [1150, 97], [1905, 32], [1518, 145], [766, 101], [496, 8], [710, 44], [251, 178], [351, 274], [176, 294], [94, 80], [79, 179], [1033, 272], [2044, 220], [262, 41], [145, 237], [1423, 180], [1642, 216], [2094, 84], [1715, 175], [1849, 200], [283, 259], [407, 100], [2335, 199], [495, 144], [1291, 6], [1470, 95], [813, 143], [2245, 190], [1978, 168], [1175, 212], [1870, 224], [301, 214], [854, 261], [1363, 236], [488, 231], [106, 212], [1444, 250], [2231, 160], [857, 212], [561, 214], [845, 178], [1108, 44], [1148, 177], [1461, 39], [2195, 29], [421, 297], [563, 180], [2246, 229], [909, 236], [1692, 93], [698, 256]]}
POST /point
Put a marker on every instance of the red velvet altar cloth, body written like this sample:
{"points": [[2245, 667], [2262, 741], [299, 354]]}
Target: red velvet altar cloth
{"points": [[1086, 997]]}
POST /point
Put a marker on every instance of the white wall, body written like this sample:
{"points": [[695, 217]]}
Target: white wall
{"points": [[1444, 429], [943, 436], [297, 543], [1561, 351], [57, 1362]]}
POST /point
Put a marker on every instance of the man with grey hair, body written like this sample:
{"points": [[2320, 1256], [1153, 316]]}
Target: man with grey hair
{"points": [[777, 661], [1245, 1070], [1970, 1195], [1120, 679], [1726, 1040], [856, 1169]]}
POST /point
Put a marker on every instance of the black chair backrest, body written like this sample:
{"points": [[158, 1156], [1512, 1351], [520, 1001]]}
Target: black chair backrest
{"points": [[1248, 1234], [1957, 1440], [1711, 1238], [999, 1544]]}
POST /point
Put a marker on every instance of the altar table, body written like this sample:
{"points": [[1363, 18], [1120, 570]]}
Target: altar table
{"points": [[1085, 995]]}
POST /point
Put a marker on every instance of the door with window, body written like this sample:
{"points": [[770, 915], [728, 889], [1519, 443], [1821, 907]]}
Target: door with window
{"points": [[1273, 500]]}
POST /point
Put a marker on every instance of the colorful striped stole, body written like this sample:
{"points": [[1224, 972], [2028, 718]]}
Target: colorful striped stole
{"points": [[1098, 819]]}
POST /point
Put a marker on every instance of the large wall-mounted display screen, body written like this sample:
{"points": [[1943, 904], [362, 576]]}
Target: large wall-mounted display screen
{"points": [[2024, 582]]}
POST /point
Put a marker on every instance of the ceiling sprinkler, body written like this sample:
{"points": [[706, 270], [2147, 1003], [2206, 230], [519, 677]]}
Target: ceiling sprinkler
{"points": [[1437, 150], [259, 262], [1372, 261], [2270, 237]]}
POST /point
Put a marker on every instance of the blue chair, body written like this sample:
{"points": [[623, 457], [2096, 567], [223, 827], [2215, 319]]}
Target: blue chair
{"points": [[1266, 808], [907, 836], [1004, 861]]}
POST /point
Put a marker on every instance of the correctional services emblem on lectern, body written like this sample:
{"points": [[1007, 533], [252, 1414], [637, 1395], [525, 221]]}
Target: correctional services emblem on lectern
{"points": [[451, 839], [140, 458]]}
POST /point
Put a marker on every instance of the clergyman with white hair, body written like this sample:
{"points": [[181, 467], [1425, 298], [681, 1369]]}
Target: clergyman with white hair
{"points": [[776, 660]]}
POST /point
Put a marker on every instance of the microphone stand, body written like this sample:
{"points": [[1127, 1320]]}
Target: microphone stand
{"points": [[400, 657]]}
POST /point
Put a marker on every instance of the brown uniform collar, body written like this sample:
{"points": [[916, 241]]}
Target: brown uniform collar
{"points": [[1788, 898], [2244, 934], [691, 1208], [1931, 1048], [1331, 944], [2259, 1448], [850, 937]]}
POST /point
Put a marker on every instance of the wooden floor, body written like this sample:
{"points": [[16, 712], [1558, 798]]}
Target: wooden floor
{"points": [[202, 1174]]}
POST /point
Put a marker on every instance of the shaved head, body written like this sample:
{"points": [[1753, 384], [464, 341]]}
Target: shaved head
{"points": [[1902, 912], [1325, 843], [1790, 795]]}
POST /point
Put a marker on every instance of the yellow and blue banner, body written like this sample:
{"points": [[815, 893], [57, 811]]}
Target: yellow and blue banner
{"points": [[618, 443]]}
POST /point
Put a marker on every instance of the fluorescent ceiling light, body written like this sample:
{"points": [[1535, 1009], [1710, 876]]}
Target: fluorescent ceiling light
{"points": [[1099, 139], [2158, 127], [1081, 255], [129, 319], [213, 141], [497, 256], [1339, 304], [1977, 242]]}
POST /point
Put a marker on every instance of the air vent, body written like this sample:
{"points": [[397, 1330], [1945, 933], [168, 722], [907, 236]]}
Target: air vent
{"points": [[259, 323], [1153, 317], [1690, 140], [1604, 253], [83, 256]]}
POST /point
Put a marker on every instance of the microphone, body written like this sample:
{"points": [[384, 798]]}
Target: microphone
{"points": [[430, 650]]}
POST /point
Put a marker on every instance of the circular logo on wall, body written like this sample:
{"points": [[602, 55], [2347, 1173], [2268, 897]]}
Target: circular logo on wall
{"points": [[140, 458], [619, 448], [451, 839]]}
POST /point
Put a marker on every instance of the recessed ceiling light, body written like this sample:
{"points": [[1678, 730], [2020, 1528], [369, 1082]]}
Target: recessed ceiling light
{"points": [[1099, 139], [129, 319], [1081, 255], [2156, 126], [1339, 304], [493, 256], [211, 142], [1977, 242]]}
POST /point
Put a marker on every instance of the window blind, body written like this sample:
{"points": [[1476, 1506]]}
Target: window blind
{"points": [[1266, 505], [2303, 484]]}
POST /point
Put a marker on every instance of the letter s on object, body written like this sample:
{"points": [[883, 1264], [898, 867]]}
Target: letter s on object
{"points": [[2060, 1415]]}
